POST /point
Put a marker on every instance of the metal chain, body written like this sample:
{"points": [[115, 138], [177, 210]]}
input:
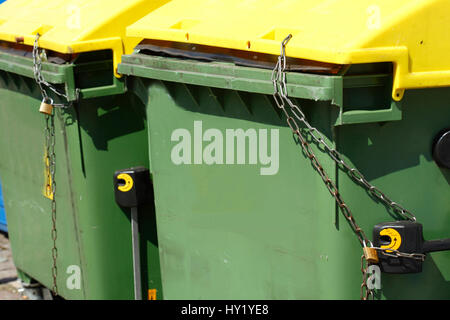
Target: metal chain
{"points": [[43, 84], [50, 141], [280, 96], [397, 254], [51, 161], [365, 293]]}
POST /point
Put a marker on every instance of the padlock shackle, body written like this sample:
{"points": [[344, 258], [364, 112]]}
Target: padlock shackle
{"points": [[48, 100]]}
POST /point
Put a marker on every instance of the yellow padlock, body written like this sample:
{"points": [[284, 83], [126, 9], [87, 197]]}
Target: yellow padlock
{"points": [[46, 108], [371, 255]]}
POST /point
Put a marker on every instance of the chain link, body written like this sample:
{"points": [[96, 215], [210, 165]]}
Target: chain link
{"points": [[50, 141], [294, 118]]}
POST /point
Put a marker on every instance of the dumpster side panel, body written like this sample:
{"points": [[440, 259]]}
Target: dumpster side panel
{"points": [[225, 230], [111, 134], [397, 158], [93, 139], [23, 176]]}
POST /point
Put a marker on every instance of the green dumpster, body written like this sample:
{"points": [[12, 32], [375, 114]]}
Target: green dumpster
{"points": [[82, 248], [242, 210]]}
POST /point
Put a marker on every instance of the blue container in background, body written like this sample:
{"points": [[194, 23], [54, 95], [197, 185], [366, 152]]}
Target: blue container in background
{"points": [[3, 225]]}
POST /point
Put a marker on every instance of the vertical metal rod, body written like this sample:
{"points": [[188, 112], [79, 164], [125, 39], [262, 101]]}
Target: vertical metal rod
{"points": [[136, 254]]}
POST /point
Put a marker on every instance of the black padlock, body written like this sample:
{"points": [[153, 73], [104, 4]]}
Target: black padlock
{"points": [[405, 237], [132, 187]]}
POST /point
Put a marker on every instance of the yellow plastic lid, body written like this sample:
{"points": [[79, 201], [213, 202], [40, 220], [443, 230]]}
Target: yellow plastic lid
{"points": [[69, 26], [413, 34]]}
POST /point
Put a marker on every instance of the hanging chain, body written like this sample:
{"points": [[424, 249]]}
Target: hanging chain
{"points": [[366, 293], [50, 141], [280, 96], [51, 163]]}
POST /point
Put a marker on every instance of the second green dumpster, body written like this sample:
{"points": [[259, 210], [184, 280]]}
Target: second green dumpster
{"points": [[243, 211]]}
